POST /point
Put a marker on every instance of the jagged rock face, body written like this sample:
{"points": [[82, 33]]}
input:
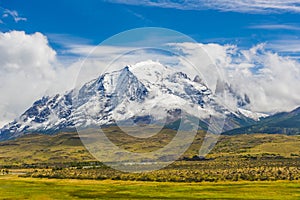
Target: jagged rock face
{"points": [[144, 91]]}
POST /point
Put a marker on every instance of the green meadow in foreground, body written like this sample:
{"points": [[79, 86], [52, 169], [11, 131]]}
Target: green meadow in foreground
{"points": [[256, 166], [12, 187]]}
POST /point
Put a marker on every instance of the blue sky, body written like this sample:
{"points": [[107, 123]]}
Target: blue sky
{"points": [[255, 42], [93, 21]]}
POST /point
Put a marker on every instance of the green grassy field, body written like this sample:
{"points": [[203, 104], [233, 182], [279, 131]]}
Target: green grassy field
{"points": [[256, 166], [67, 147], [12, 187], [255, 157]]}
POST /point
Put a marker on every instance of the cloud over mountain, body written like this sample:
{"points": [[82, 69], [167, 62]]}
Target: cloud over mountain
{"points": [[30, 68]]}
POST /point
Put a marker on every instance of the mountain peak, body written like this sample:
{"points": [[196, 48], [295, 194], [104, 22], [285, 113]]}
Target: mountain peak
{"points": [[132, 92]]}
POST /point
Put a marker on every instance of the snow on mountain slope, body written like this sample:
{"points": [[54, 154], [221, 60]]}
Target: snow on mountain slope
{"points": [[146, 90], [253, 115]]}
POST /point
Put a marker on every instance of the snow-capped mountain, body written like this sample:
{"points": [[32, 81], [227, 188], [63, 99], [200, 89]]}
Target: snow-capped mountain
{"points": [[146, 92]]}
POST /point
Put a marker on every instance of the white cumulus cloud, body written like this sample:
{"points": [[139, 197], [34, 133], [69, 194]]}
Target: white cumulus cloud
{"points": [[271, 81], [28, 70]]}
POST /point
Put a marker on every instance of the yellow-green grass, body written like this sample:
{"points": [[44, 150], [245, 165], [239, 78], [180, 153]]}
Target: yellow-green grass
{"points": [[35, 148], [12, 187], [286, 148], [257, 144], [67, 147]]}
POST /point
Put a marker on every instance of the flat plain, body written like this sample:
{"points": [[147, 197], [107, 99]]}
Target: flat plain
{"points": [[13, 187], [254, 166]]}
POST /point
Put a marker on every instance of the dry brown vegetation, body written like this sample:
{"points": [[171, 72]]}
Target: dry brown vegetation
{"points": [[256, 157]]}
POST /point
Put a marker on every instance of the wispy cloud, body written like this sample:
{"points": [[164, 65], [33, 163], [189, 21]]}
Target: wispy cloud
{"points": [[6, 13], [14, 14], [139, 16], [244, 6], [66, 40], [276, 27], [285, 45]]}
